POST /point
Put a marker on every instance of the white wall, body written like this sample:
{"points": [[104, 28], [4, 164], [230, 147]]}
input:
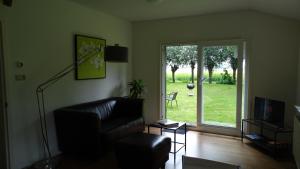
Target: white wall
{"points": [[3, 113], [273, 45], [298, 80], [40, 34]]}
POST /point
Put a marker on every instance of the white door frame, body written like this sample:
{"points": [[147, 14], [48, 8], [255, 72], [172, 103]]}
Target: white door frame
{"points": [[221, 129], [242, 53], [4, 144], [163, 66]]}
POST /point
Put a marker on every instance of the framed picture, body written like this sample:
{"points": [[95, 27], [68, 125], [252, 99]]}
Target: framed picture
{"points": [[89, 58]]}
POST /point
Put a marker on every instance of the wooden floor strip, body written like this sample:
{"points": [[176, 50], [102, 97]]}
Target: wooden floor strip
{"points": [[202, 145]]}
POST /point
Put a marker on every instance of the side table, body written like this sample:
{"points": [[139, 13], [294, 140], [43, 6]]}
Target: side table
{"points": [[272, 144]]}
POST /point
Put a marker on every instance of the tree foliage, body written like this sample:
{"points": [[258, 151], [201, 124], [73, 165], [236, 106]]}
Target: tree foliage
{"points": [[230, 54], [233, 60], [190, 57], [213, 57], [174, 58]]}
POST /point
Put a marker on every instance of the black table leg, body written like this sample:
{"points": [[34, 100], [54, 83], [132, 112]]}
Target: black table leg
{"points": [[242, 134], [185, 137], [275, 144], [174, 145]]}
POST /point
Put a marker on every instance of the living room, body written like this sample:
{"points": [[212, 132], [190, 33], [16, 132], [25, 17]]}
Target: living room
{"points": [[40, 35]]}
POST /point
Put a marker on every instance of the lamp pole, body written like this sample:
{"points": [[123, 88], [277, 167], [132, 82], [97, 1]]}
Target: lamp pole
{"points": [[88, 52]]}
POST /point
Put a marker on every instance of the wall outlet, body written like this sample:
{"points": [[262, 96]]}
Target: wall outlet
{"points": [[20, 77]]}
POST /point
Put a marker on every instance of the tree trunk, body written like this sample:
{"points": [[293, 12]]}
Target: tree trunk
{"points": [[192, 67], [234, 74], [193, 74], [210, 72], [173, 69], [173, 76]]}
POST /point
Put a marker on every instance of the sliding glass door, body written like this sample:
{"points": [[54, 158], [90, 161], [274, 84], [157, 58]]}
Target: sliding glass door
{"points": [[221, 87], [209, 86]]}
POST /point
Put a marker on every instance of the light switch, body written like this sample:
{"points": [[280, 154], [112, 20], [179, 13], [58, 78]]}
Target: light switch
{"points": [[20, 77]]}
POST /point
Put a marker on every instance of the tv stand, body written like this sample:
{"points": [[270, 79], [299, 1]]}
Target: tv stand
{"points": [[270, 143]]}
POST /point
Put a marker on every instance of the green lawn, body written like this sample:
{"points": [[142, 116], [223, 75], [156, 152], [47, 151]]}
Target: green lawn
{"points": [[219, 103]]}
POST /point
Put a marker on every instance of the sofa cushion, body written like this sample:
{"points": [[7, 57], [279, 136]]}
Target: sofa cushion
{"points": [[118, 128], [103, 108], [106, 109], [113, 123]]}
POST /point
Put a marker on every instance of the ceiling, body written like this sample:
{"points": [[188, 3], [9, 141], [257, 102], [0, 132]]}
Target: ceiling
{"points": [[138, 10]]}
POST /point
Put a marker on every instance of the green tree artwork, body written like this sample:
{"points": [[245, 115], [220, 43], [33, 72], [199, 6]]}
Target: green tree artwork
{"points": [[89, 56]]}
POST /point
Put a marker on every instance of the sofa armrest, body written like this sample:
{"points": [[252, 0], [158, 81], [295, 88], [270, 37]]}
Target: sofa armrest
{"points": [[77, 130], [129, 107]]}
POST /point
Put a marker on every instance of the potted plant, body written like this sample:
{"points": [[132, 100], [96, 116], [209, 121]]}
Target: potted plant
{"points": [[136, 89]]}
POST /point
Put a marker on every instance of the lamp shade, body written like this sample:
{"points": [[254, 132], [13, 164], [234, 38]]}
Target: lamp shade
{"points": [[7, 2], [116, 54]]}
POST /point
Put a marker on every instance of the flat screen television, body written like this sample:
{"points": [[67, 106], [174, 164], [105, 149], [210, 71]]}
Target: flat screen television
{"points": [[268, 110]]}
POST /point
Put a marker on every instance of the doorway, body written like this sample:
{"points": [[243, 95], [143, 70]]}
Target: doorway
{"points": [[4, 163], [180, 83], [209, 80]]}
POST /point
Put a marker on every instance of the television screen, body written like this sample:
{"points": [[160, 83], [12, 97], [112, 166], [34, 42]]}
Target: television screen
{"points": [[259, 108], [271, 111]]}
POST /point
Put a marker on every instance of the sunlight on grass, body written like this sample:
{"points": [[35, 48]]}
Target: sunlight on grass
{"points": [[219, 104]]}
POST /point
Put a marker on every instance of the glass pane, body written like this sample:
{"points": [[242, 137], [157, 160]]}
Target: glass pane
{"points": [[181, 80], [219, 87]]}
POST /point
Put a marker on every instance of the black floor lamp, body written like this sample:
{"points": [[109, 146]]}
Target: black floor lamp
{"points": [[87, 53], [112, 54]]}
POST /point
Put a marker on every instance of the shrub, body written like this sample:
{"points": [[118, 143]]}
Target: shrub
{"points": [[226, 78]]}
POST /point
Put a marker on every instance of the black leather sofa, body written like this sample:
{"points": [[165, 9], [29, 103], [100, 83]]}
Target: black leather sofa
{"points": [[88, 129]]}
